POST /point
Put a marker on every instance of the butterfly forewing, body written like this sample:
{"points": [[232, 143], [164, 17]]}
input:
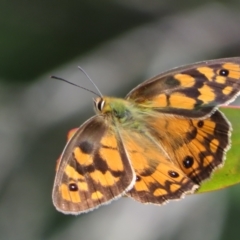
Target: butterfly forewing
{"points": [[93, 170], [191, 91]]}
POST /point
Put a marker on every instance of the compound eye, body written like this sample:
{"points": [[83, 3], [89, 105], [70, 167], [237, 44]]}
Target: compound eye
{"points": [[100, 104]]}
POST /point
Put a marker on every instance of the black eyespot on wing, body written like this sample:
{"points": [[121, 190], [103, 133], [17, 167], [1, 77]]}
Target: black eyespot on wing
{"points": [[173, 174], [224, 72], [138, 178], [73, 187], [200, 124], [188, 161]]}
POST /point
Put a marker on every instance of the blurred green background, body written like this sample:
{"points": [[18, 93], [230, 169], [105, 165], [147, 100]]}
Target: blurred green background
{"points": [[119, 44]]}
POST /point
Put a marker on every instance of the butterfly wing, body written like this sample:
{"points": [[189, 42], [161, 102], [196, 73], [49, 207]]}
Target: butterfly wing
{"points": [[93, 170], [158, 179], [177, 111], [193, 90], [172, 155], [196, 146]]}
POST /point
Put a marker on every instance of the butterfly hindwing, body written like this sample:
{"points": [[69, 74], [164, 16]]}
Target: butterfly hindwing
{"points": [[93, 170], [193, 90], [158, 179], [196, 146]]}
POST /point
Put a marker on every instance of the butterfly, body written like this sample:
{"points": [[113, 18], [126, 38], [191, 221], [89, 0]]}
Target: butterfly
{"points": [[157, 144]]}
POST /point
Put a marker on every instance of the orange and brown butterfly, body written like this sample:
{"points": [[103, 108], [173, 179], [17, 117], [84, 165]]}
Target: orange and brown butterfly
{"points": [[157, 144]]}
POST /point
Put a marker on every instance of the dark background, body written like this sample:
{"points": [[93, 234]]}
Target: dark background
{"points": [[119, 44]]}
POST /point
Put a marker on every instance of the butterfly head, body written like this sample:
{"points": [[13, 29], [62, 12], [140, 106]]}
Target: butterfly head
{"points": [[116, 107]]}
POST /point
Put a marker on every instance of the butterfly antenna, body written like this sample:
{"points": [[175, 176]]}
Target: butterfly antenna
{"points": [[81, 69], [64, 80]]}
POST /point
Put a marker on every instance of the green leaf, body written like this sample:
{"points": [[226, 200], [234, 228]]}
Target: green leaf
{"points": [[229, 174]]}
